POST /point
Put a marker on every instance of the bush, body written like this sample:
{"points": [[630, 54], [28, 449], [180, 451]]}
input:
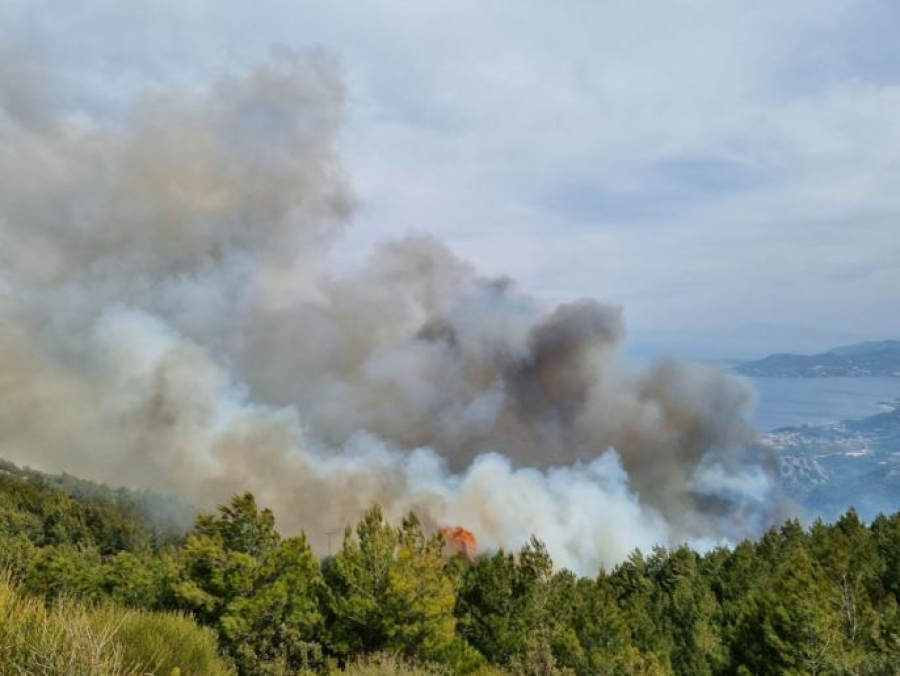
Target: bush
{"points": [[71, 639], [62, 640], [385, 664]]}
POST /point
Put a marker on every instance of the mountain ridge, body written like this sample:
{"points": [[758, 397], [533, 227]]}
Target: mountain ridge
{"points": [[872, 358]]}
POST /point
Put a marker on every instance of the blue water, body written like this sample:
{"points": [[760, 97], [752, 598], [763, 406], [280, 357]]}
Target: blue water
{"points": [[797, 401]]}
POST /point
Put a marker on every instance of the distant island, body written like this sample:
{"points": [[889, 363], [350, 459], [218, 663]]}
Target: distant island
{"points": [[871, 358]]}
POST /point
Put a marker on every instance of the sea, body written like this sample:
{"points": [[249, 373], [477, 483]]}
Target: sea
{"points": [[792, 402]]}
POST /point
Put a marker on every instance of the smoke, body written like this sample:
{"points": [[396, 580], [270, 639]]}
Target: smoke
{"points": [[170, 318]]}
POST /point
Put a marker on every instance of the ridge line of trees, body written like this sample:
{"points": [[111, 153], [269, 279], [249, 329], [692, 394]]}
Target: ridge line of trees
{"points": [[821, 600]]}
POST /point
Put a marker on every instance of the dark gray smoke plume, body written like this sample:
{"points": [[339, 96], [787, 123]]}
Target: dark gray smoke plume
{"points": [[169, 318]]}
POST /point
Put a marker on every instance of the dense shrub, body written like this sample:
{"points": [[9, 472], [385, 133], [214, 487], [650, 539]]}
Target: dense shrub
{"points": [[162, 642], [67, 638]]}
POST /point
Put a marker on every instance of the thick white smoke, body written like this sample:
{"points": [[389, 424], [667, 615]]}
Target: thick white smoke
{"points": [[169, 319]]}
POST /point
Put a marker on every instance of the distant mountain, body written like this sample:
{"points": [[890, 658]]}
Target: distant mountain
{"points": [[736, 343], [869, 358], [829, 468]]}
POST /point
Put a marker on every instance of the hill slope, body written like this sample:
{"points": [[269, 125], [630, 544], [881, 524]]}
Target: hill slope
{"points": [[870, 358], [828, 468]]}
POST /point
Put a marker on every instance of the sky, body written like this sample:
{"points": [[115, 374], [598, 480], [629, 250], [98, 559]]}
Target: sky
{"points": [[709, 165]]}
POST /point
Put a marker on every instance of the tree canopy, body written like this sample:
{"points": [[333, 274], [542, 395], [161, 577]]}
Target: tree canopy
{"points": [[817, 600]]}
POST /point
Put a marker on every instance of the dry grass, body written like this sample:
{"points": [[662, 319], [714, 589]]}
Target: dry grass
{"points": [[74, 640], [383, 664]]}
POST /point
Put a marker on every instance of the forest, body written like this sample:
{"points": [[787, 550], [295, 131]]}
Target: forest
{"points": [[95, 581]]}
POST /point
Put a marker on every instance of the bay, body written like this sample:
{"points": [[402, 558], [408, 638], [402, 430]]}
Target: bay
{"points": [[783, 402]]}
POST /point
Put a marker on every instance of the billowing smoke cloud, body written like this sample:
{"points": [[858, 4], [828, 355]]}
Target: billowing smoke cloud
{"points": [[169, 318]]}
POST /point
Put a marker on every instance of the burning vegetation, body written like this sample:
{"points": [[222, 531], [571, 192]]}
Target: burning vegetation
{"points": [[460, 541]]}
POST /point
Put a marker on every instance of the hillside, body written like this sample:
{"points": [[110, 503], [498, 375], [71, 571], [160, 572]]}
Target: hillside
{"points": [[166, 518], [827, 468], [794, 601], [866, 359]]}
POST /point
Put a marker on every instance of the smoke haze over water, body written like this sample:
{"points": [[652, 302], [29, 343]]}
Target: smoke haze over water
{"points": [[169, 319]]}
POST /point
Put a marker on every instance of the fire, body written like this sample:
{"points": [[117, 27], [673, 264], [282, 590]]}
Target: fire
{"points": [[460, 541]]}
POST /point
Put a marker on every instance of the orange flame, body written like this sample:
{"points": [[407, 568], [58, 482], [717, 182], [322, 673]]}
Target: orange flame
{"points": [[460, 541]]}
